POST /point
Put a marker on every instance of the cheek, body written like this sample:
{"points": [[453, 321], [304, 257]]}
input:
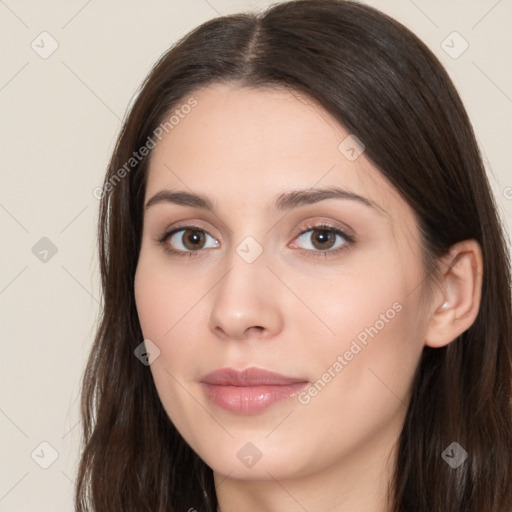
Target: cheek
{"points": [[170, 306], [362, 377], [165, 307], [164, 298], [366, 297], [370, 356]]}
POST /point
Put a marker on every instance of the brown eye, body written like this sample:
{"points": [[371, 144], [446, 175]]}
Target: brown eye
{"points": [[189, 239], [323, 239], [193, 239]]}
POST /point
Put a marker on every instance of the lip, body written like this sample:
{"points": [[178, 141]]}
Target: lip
{"points": [[249, 391]]}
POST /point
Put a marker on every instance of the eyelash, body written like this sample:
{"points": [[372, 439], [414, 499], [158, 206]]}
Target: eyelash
{"points": [[349, 240], [322, 226]]}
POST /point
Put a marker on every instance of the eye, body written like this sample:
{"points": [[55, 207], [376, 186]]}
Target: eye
{"points": [[323, 238], [187, 240], [318, 240]]}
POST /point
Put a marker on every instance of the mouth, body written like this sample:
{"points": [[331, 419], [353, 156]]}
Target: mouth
{"points": [[249, 391]]}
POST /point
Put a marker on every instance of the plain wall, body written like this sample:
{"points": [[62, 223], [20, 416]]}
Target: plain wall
{"points": [[60, 116]]}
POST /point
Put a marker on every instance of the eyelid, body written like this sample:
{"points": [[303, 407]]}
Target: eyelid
{"points": [[173, 229], [188, 224], [349, 239], [319, 224]]}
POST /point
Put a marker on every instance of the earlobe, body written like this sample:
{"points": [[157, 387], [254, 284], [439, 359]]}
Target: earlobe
{"points": [[457, 304]]}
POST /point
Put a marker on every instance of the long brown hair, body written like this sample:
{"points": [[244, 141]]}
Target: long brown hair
{"points": [[383, 85]]}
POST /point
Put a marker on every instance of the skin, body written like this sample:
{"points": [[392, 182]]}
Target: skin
{"points": [[295, 308]]}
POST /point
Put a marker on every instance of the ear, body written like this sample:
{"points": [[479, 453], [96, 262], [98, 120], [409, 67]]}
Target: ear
{"points": [[457, 302]]}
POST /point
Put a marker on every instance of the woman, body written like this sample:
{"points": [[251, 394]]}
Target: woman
{"points": [[306, 287]]}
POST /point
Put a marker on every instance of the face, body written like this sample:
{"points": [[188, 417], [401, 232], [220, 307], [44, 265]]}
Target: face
{"points": [[286, 305]]}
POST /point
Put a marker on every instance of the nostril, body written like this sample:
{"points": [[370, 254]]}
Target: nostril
{"points": [[256, 328]]}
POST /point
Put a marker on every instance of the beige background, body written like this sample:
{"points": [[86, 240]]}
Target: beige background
{"points": [[60, 117]]}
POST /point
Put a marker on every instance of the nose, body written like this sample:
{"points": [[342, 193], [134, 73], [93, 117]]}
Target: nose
{"points": [[246, 302]]}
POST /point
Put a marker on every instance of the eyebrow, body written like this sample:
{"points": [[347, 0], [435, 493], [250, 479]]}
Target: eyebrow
{"points": [[285, 201]]}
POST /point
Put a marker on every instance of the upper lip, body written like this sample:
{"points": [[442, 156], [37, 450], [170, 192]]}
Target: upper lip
{"points": [[249, 377]]}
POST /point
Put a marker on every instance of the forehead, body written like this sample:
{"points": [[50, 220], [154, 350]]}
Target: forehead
{"points": [[247, 144]]}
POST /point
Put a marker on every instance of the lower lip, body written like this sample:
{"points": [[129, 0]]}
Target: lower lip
{"points": [[250, 399]]}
